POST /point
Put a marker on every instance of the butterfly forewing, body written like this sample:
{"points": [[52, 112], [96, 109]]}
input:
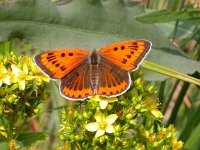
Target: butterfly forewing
{"points": [[57, 63], [113, 80], [126, 55], [76, 85]]}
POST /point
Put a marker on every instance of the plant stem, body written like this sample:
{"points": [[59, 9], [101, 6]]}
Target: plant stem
{"points": [[169, 72]]}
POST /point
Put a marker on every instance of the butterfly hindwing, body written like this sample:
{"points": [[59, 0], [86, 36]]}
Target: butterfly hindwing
{"points": [[126, 55], [113, 81], [76, 84], [57, 63]]}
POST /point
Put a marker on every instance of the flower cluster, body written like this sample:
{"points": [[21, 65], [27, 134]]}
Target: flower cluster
{"points": [[131, 121], [22, 89]]}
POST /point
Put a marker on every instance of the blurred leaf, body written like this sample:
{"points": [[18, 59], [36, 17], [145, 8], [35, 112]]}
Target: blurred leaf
{"points": [[194, 21], [58, 103], [160, 16], [4, 145], [29, 138], [49, 26], [194, 138]]}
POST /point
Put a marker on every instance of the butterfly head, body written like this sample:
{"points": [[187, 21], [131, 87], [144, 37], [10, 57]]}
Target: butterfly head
{"points": [[94, 57]]}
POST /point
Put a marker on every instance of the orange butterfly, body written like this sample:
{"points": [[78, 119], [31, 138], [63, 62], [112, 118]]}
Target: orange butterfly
{"points": [[104, 72]]}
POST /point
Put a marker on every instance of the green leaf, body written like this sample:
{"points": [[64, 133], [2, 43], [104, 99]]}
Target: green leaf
{"points": [[29, 138], [88, 25], [4, 145], [160, 16], [194, 21], [194, 138]]}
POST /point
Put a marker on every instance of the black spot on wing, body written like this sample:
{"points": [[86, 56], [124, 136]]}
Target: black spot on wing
{"points": [[63, 55], [55, 61], [57, 65], [116, 48], [70, 54], [128, 56], [62, 68], [122, 47]]}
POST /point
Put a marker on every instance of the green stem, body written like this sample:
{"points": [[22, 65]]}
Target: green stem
{"points": [[175, 30], [161, 91], [148, 3], [170, 72]]}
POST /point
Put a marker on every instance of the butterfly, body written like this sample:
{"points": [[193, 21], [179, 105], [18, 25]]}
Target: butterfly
{"points": [[104, 72]]}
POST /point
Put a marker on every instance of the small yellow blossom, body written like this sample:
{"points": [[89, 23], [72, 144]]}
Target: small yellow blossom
{"points": [[103, 124], [103, 101], [3, 131], [152, 105], [38, 74], [36, 110], [157, 113], [4, 76], [20, 76], [12, 98], [176, 145]]}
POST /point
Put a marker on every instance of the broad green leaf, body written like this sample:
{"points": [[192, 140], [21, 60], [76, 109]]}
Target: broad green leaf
{"points": [[86, 24], [29, 138], [160, 16]]}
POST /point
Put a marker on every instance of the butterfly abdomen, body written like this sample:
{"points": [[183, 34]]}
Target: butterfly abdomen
{"points": [[94, 70]]}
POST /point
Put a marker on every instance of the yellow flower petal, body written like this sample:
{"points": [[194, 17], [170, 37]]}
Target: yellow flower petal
{"points": [[103, 104], [112, 99], [111, 118], [99, 116], [22, 84], [15, 70], [99, 133], [3, 131], [92, 126], [96, 98], [157, 113], [7, 80], [110, 129], [25, 68]]}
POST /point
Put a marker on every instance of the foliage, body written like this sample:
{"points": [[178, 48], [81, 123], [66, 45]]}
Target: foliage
{"points": [[22, 89]]}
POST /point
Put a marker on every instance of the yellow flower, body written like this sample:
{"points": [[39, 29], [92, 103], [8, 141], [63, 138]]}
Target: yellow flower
{"points": [[152, 104], [176, 145], [20, 76], [4, 77], [156, 113], [103, 101], [3, 131], [38, 74], [103, 124]]}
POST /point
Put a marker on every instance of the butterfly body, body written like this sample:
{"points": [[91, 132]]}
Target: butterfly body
{"points": [[104, 72], [94, 70]]}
